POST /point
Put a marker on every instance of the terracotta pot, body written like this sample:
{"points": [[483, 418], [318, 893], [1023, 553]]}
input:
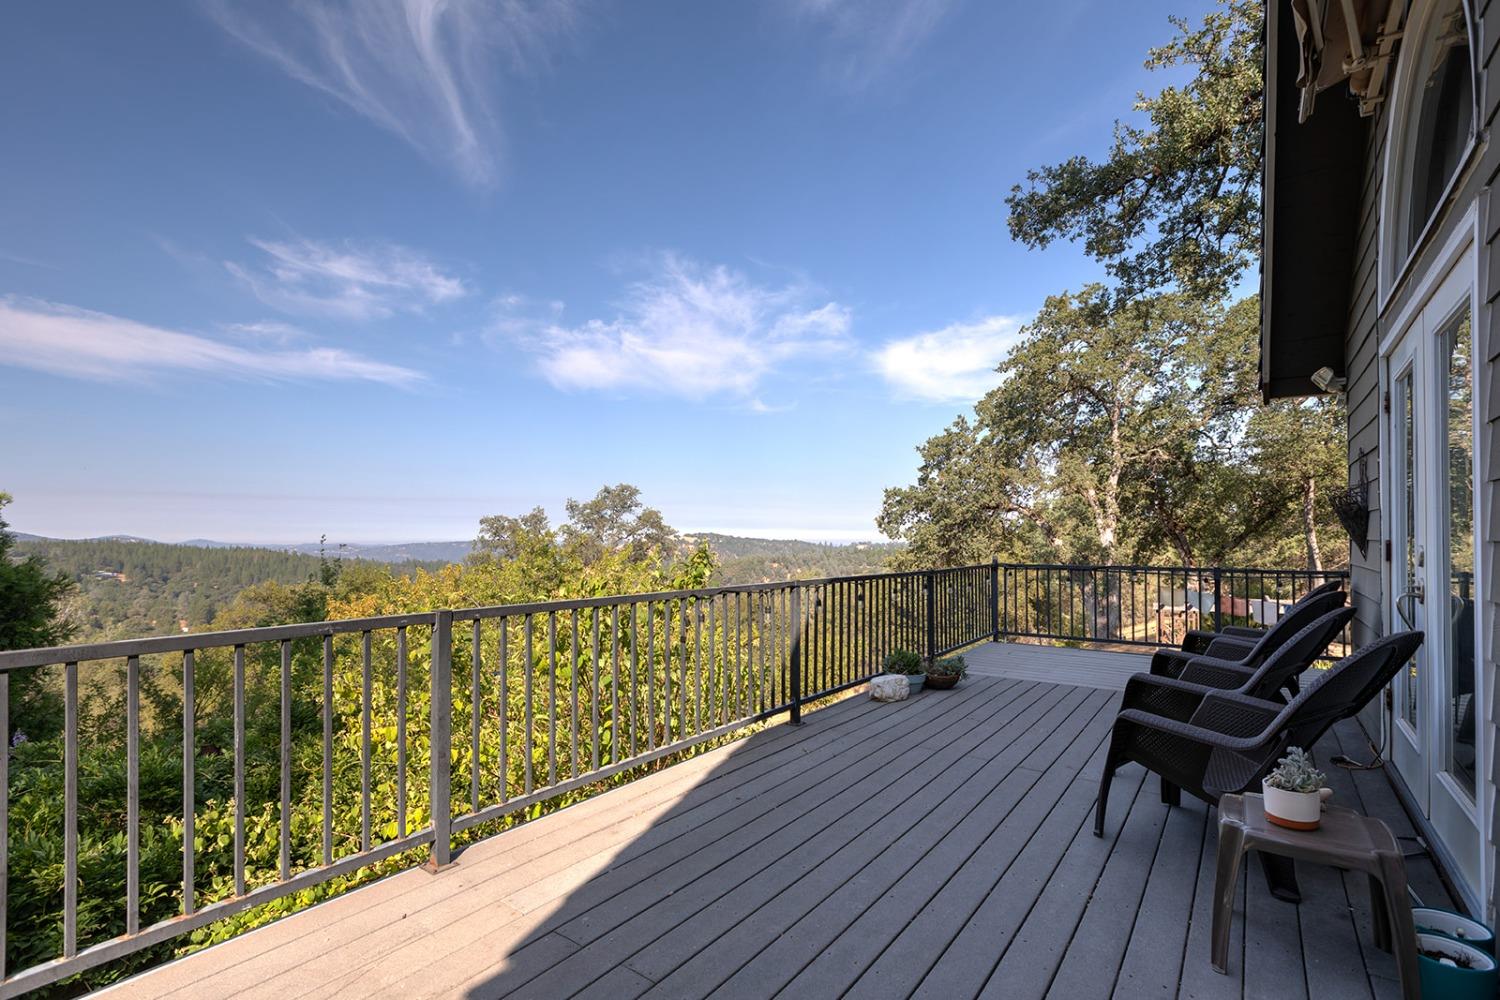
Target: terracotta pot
{"points": [[1294, 810], [941, 682]]}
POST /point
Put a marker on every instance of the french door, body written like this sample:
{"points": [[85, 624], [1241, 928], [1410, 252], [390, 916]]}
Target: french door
{"points": [[1429, 494]]}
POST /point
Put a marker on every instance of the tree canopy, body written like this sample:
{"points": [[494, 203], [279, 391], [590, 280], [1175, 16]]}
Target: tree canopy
{"points": [[1177, 200]]}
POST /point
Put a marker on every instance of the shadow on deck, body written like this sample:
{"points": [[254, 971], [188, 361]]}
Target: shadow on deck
{"points": [[937, 847]]}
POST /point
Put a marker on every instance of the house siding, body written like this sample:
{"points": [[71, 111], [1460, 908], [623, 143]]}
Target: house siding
{"points": [[1369, 322]]}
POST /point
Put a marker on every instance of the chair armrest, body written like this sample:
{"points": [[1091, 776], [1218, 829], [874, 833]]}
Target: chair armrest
{"points": [[1186, 733], [1169, 662], [1167, 697], [1197, 639], [1214, 674], [1236, 715], [1251, 632], [1228, 647]]}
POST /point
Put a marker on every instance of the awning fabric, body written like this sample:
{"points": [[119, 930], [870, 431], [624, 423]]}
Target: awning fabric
{"points": [[1342, 40]]}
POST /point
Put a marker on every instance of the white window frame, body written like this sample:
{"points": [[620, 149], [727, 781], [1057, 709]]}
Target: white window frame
{"points": [[1395, 263]]}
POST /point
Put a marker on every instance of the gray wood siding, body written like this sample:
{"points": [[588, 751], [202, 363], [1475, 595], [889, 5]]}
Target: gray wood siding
{"points": [[1369, 322]]}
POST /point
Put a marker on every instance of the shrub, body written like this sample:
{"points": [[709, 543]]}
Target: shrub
{"points": [[903, 661]]}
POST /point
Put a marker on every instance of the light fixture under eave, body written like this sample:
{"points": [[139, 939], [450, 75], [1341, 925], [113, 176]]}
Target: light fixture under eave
{"points": [[1327, 380]]}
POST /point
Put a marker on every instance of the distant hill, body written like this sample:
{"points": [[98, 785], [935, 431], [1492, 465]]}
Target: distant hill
{"points": [[129, 586], [764, 560]]}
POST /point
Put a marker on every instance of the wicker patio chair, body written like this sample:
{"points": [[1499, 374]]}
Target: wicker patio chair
{"points": [[1197, 640], [1230, 651], [1214, 742], [1269, 681]]}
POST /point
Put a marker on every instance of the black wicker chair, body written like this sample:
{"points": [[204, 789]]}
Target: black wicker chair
{"points": [[1229, 651], [1217, 742], [1279, 672], [1199, 639]]}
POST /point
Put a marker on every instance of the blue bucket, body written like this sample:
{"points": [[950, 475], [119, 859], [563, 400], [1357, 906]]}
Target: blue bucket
{"points": [[1435, 920], [1455, 981]]}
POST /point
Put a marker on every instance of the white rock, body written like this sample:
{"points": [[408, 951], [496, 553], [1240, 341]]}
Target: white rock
{"points": [[890, 687]]}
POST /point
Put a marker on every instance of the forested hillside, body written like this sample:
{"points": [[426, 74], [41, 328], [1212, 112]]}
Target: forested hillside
{"points": [[135, 587], [129, 587], [762, 560]]}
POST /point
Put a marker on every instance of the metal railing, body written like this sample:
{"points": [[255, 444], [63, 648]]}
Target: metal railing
{"points": [[368, 732], [1146, 605]]}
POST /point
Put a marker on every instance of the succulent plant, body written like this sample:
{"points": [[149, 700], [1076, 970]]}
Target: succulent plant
{"points": [[1296, 772], [949, 666], [903, 661]]}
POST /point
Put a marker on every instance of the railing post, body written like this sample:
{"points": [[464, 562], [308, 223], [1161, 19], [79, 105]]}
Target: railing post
{"points": [[930, 581], [995, 599], [441, 763], [1218, 599], [795, 666]]}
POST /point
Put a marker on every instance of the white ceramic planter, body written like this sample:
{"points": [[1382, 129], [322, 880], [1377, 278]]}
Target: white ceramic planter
{"points": [[1294, 810]]}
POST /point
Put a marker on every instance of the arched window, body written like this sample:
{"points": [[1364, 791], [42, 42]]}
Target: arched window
{"points": [[1432, 125]]}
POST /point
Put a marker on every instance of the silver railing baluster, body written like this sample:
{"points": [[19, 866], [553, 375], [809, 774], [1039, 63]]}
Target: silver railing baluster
{"points": [[189, 790], [286, 760], [475, 635], [70, 810], [366, 691], [401, 731], [239, 769], [132, 794], [328, 750]]}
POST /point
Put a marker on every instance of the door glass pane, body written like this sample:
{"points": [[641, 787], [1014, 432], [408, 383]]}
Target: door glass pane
{"points": [[1460, 610], [1406, 603]]}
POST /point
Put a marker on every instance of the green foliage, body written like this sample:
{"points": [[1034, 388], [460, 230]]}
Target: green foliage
{"points": [[1126, 432], [1177, 200], [949, 666], [903, 661], [1296, 772], [31, 600], [766, 560]]}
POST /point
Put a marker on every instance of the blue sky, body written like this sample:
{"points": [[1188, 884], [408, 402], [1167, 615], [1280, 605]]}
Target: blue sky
{"points": [[377, 269]]}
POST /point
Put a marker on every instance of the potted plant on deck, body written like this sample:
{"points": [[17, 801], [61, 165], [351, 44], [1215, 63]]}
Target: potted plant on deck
{"points": [[907, 664], [945, 672], [1294, 791]]}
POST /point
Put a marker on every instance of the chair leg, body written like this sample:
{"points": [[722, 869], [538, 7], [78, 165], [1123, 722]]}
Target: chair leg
{"points": [[1380, 914], [1281, 877], [1171, 795], [1226, 887], [1103, 802]]}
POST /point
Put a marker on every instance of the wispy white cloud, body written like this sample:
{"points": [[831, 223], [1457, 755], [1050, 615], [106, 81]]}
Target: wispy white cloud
{"points": [[868, 38], [687, 330], [347, 280], [425, 70], [953, 365], [78, 343]]}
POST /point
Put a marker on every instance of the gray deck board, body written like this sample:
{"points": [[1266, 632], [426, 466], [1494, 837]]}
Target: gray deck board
{"points": [[940, 847]]}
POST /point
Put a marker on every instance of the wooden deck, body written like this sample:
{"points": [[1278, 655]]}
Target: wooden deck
{"points": [[938, 847]]}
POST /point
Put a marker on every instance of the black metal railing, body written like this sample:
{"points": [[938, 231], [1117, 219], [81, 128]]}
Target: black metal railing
{"points": [[377, 736], [1145, 605]]}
